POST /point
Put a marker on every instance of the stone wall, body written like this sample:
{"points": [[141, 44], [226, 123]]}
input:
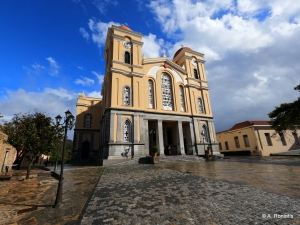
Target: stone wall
{"points": [[7, 153]]}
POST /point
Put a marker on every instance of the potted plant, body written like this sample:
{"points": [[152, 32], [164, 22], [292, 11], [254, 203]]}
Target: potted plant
{"points": [[154, 151]]}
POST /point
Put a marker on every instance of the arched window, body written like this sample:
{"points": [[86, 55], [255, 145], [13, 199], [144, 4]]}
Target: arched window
{"points": [[88, 120], [167, 96], [127, 96], [196, 76], [204, 134], [127, 131], [151, 94], [127, 57], [182, 99], [200, 105]]}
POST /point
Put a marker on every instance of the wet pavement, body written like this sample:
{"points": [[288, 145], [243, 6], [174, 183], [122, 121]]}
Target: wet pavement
{"points": [[178, 190], [280, 175], [192, 191]]}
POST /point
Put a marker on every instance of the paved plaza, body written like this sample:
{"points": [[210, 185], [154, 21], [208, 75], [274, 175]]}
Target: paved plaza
{"points": [[178, 190]]}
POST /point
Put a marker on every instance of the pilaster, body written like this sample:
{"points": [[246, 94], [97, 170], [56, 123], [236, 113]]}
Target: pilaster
{"points": [[135, 128], [119, 131], [192, 137], [180, 137], [160, 137], [111, 128]]}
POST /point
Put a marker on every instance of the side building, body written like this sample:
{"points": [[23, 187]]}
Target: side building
{"points": [[7, 153], [256, 138], [146, 102]]}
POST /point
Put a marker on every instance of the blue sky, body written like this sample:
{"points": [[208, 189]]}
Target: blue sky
{"points": [[50, 51]]}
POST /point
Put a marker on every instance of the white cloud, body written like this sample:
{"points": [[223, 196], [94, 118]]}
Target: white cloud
{"points": [[151, 47], [85, 81], [94, 94], [53, 70], [58, 101], [35, 69], [250, 50], [21, 101], [99, 77], [84, 33], [99, 31]]}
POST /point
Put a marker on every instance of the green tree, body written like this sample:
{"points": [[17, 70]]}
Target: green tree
{"points": [[57, 152], [286, 116], [33, 133]]}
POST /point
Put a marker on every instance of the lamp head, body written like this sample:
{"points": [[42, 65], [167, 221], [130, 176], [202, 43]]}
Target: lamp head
{"points": [[68, 113], [58, 119], [71, 119]]}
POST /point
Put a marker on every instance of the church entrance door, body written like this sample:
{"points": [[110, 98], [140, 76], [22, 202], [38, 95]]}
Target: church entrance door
{"points": [[85, 149]]}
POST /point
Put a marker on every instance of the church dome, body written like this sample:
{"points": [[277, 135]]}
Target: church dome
{"points": [[187, 48], [125, 27]]}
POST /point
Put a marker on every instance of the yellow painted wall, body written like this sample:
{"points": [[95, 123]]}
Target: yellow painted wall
{"points": [[257, 140]]}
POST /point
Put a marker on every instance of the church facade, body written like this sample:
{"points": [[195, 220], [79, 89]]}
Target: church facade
{"points": [[145, 102]]}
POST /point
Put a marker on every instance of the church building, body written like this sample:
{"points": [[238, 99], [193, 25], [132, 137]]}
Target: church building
{"points": [[145, 102]]}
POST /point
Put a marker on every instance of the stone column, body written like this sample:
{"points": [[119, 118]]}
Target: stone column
{"points": [[180, 143], [160, 137], [119, 131], [111, 128], [145, 136], [197, 130], [213, 131], [192, 138], [135, 129]]}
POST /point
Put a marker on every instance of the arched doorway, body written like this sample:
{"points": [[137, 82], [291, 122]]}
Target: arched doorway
{"points": [[85, 149]]}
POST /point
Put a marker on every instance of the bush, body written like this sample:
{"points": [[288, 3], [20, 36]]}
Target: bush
{"points": [[155, 149]]}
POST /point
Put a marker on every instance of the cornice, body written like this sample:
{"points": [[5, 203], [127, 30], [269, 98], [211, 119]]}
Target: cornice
{"points": [[118, 37], [198, 87], [139, 43], [133, 111], [125, 64], [198, 60], [194, 52], [126, 73], [127, 31], [166, 60], [190, 78], [88, 105]]}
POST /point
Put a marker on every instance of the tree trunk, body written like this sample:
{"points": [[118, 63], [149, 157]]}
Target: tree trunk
{"points": [[28, 168]]}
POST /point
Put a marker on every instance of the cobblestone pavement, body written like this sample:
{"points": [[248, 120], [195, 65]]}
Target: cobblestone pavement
{"points": [[196, 192]]}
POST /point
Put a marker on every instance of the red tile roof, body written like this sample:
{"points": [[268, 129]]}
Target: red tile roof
{"points": [[176, 53], [248, 123], [125, 27]]}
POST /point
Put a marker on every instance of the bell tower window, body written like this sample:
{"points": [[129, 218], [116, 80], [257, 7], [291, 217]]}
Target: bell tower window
{"points": [[87, 120], [127, 57], [196, 76], [200, 105]]}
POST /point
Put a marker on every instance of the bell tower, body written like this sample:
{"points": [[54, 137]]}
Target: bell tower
{"points": [[123, 49]]}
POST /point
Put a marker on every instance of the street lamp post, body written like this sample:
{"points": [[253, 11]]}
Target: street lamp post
{"points": [[68, 124], [56, 160]]}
